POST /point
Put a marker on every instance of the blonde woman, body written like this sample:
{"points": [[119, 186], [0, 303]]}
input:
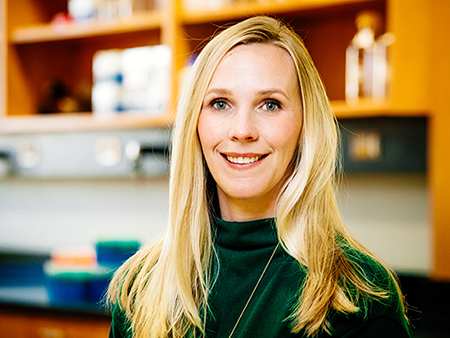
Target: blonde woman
{"points": [[255, 245]]}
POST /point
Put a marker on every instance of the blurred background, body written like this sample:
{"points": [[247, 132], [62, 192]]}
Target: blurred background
{"points": [[88, 90]]}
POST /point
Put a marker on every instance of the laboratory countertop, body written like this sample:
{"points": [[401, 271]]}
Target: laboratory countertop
{"points": [[23, 285]]}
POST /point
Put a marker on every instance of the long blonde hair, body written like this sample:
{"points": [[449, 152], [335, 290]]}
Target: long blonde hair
{"points": [[165, 286]]}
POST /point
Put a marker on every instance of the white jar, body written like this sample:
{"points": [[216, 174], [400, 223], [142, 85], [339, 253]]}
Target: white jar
{"points": [[83, 10]]}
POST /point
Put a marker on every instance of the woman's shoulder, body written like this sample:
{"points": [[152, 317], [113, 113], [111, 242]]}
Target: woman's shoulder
{"points": [[386, 304], [120, 325], [131, 275], [127, 282], [370, 268]]}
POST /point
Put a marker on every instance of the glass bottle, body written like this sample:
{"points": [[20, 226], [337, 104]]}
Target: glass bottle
{"points": [[366, 69]]}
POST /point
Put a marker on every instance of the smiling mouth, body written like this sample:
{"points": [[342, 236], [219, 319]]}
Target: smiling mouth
{"points": [[243, 160]]}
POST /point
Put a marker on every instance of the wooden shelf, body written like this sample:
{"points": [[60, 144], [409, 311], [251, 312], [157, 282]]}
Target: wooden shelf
{"points": [[371, 108], [88, 122], [79, 122], [58, 32], [246, 9]]}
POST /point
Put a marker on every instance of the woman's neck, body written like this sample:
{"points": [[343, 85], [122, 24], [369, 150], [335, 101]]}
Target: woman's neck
{"points": [[244, 210]]}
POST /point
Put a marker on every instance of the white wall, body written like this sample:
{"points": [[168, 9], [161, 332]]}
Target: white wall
{"points": [[389, 214], [40, 215]]}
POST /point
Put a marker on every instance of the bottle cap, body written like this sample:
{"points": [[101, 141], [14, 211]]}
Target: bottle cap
{"points": [[370, 19]]}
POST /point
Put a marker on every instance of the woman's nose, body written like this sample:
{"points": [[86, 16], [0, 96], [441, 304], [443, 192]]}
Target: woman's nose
{"points": [[243, 126]]}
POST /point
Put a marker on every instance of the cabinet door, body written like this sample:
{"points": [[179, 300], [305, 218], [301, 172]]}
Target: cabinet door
{"points": [[18, 325]]}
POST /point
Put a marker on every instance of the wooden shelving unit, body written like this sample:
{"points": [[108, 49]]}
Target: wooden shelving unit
{"points": [[31, 41], [36, 51], [32, 51]]}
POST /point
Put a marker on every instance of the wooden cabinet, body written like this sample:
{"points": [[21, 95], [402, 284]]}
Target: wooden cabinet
{"points": [[32, 51], [26, 324]]}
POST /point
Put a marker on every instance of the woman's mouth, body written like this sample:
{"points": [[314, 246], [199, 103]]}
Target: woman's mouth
{"points": [[243, 159]]}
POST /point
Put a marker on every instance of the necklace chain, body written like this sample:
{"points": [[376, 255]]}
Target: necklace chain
{"points": [[254, 290]]}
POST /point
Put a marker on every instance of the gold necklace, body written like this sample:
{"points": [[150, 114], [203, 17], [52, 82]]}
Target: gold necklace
{"points": [[254, 290]]}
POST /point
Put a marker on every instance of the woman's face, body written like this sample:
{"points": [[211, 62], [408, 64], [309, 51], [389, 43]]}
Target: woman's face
{"points": [[249, 128]]}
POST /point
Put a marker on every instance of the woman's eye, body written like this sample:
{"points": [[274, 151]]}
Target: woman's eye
{"points": [[271, 105], [219, 104]]}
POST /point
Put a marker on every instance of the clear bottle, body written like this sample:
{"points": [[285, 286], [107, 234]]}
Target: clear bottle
{"points": [[366, 69]]}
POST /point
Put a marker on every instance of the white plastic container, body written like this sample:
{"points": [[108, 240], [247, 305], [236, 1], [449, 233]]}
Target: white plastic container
{"points": [[83, 10], [134, 80]]}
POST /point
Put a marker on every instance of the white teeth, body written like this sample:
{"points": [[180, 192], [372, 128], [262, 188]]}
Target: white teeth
{"points": [[243, 160]]}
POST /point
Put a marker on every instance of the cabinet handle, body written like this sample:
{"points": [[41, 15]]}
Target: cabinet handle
{"points": [[49, 332]]}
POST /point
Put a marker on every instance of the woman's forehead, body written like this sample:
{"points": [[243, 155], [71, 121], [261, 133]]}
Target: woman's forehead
{"points": [[258, 64]]}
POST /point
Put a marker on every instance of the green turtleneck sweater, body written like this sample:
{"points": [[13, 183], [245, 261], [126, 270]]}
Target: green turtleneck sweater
{"points": [[243, 250]]}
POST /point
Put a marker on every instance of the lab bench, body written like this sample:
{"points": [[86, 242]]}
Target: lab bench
{"points": [[27, 312]]}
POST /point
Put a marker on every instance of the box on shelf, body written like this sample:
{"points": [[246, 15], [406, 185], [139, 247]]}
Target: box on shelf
{"points": [[106, 10], [131, 80], [82, 276]]}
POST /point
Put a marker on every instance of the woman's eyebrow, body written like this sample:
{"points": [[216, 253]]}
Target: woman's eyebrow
{"points": [[264, 92], [218, 91], [271, 91]]}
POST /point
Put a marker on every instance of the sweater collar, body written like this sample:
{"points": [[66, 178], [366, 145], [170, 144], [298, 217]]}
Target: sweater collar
{"points": [[246, 235]]}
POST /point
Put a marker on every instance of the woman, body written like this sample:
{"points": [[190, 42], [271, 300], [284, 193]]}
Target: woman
{"points": [[255, 245]]}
